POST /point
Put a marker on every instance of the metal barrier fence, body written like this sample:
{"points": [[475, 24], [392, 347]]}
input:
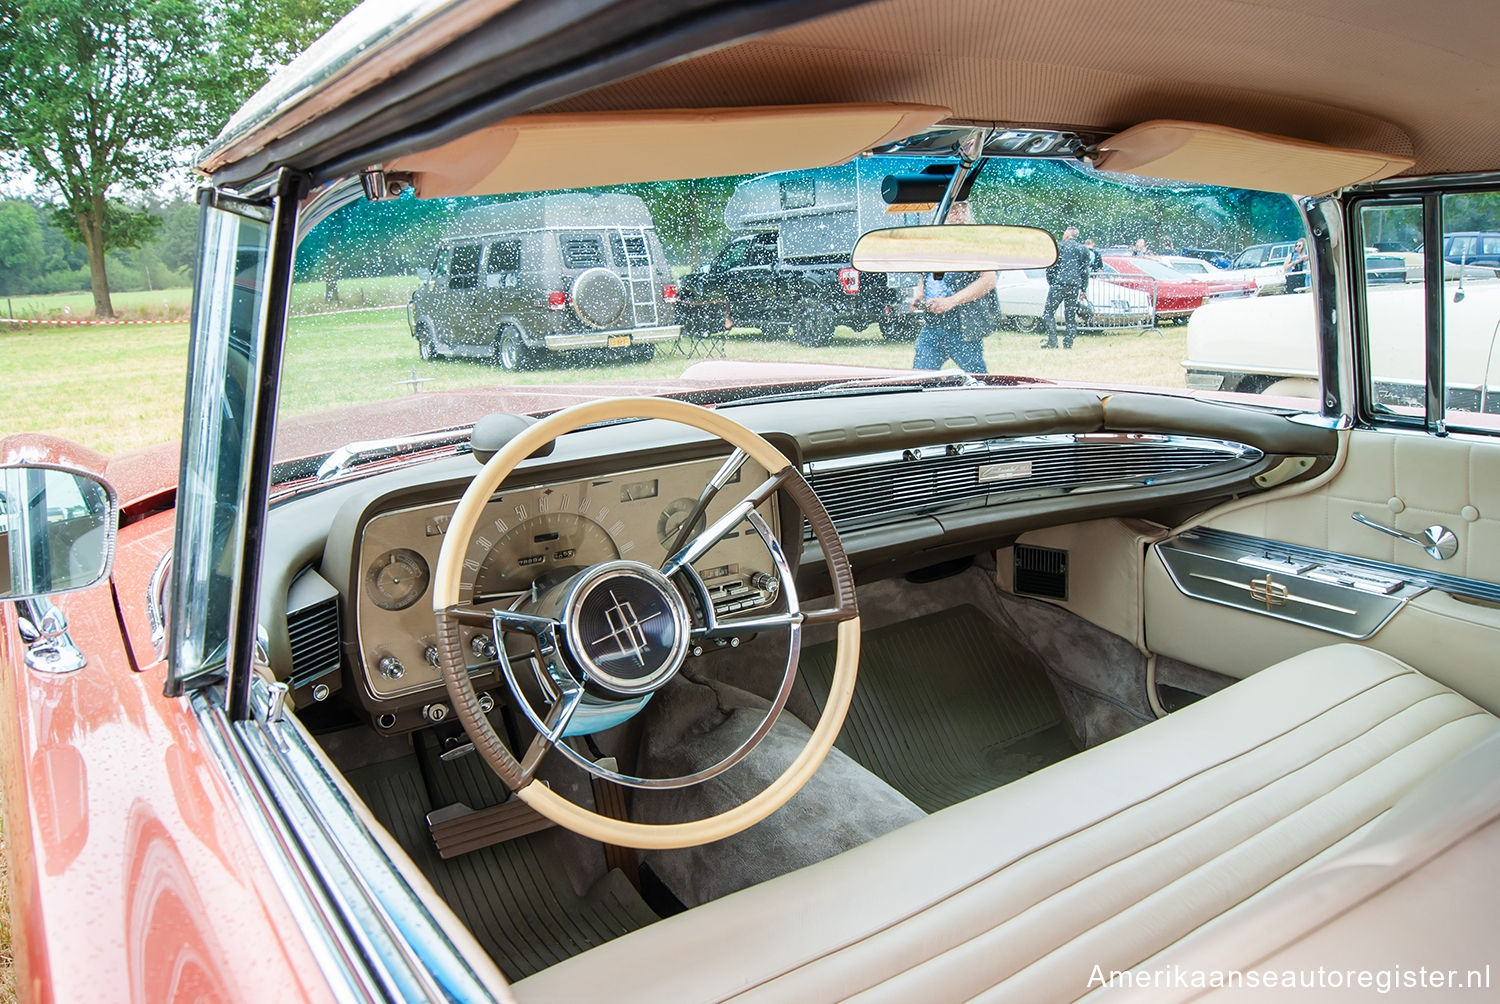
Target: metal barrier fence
{"points": [[1109, 302]]}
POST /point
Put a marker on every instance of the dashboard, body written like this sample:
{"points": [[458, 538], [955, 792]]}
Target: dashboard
{"points": [[911, 481], [530, 538]]}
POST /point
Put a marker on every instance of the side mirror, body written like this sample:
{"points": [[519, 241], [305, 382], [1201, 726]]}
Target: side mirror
{"points": [[57, 530]]}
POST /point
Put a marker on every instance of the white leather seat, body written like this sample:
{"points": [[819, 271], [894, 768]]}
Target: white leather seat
{"points": [[1107, 859]]}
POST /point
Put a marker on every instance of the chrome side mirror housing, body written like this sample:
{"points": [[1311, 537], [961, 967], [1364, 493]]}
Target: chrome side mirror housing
{"points": [[57, 530]]}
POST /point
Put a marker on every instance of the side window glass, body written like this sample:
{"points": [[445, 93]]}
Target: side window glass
{"points": [[1398, 304], [504, 256], [733, 256], [1395, 324], [440, 268], [464, 267], [798, 193], [1471, 310]]}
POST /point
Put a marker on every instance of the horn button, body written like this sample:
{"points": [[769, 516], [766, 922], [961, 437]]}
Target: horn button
{"points": [[625, 626]]}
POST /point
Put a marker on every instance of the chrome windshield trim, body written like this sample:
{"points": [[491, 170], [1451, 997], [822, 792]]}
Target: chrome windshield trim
{"points": [[352, 455], [374, 938]]}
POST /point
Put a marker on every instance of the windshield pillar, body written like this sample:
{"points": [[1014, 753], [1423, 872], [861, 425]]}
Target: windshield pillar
{"points": [[242, 281]]}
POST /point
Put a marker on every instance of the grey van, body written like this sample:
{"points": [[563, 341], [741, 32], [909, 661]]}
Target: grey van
{"points": [[516, 281]]}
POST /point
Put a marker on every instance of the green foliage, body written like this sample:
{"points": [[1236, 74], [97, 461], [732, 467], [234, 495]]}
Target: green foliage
{"points": [[20, 247], [123, 226], [1114, 210], [101, 98]]}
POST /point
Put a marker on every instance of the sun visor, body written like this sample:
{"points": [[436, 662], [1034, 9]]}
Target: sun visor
{"points": [[1219, 155], [532, 153]]}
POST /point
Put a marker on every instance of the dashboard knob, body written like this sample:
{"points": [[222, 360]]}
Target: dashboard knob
{"points": [[765, 582], [483, 647], [390, 667], [430, 653]]}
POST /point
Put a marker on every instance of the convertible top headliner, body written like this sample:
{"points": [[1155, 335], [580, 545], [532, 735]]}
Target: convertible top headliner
{"points": [[1403, 79], [1414, 80]]}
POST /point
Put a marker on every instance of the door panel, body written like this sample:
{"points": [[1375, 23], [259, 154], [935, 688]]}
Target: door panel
{"points": [[1408, 481]]}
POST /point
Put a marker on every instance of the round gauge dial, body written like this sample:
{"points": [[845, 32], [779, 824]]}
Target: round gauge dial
{"points": [[669, 523], [397, 579], [543, 549]]}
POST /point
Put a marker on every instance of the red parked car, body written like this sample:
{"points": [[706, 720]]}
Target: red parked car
{"points": [[1177, 294], [801, 678]]}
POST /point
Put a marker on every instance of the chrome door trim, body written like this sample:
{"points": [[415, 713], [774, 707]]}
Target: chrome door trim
{"points": [[373, 937], [1456, 585]]}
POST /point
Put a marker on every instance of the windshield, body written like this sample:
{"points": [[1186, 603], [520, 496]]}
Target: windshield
{"points": [[412, 315]]}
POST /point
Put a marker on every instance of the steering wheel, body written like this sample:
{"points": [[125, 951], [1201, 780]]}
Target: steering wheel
{"points": [[616, 632]]}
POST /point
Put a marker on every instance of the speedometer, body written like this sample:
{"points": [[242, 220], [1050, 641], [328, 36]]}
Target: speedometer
{"points": [[544, 550]]}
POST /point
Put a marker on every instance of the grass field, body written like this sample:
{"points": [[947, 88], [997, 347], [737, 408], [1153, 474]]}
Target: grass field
{"points": [[144, 304], [117, 388]]}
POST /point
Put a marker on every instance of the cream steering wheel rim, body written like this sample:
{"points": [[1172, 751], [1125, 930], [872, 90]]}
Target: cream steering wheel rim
{"points": [[445, 592]]}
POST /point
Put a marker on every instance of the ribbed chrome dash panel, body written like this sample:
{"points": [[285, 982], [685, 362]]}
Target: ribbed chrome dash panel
{"points": [[886, 487]]}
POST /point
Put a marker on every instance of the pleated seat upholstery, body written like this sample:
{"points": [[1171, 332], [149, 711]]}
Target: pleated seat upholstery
{"points": [[1102, 861]]}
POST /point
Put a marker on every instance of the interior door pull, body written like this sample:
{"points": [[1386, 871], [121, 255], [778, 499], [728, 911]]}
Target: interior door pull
{"points": [[1438, 541]]}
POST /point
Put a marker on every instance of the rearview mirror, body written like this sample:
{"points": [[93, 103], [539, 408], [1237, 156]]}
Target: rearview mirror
{"points": [[954, 248], [57, 530]]}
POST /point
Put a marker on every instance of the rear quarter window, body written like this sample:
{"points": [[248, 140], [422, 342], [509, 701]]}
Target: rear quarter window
{"points": [[583, 251]]}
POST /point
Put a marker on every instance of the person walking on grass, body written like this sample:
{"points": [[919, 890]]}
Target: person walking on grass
{"points": [[958, 313], [1065, 281]]}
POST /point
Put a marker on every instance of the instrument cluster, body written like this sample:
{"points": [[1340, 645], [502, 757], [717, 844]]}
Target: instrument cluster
{"points": [[530, 538]]}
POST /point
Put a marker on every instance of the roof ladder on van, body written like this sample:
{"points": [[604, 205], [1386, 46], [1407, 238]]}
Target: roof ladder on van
{"points": [[640, 275]]}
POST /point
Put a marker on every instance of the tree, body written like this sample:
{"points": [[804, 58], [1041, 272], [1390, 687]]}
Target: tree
{"points": [[20, 246], [104, 98]]}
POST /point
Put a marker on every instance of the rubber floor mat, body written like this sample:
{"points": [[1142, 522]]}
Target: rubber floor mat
{"points": [[947, 706], [519, 904]]}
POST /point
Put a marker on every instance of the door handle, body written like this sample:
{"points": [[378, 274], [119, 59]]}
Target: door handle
{"points": [[1438, 541]]}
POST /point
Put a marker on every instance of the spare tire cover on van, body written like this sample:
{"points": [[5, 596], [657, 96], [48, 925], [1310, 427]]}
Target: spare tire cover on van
{"points": [[599, 297]]}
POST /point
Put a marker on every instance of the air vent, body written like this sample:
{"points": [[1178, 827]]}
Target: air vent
{"points": [[883, 488], [1041, 571], [314, 634], [312, 625]]}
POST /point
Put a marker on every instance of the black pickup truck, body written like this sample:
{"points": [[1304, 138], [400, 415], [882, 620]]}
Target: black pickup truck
{"points": [[749, 284]]}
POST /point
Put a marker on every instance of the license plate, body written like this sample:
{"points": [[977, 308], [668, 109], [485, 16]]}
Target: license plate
{"points": [[619, 341]]}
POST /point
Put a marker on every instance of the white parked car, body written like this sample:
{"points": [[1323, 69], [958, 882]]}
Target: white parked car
{"points": [[1022, 293], [1268, 344]]}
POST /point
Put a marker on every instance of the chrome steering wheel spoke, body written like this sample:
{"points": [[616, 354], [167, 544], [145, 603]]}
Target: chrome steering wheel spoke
{"points": [[567, 688]]}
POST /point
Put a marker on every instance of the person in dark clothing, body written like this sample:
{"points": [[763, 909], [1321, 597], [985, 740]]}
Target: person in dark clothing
{"points": [[959, 313], [1065, 282]]}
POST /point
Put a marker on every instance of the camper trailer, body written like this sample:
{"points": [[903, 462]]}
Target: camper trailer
{"points": [[793, 235]]}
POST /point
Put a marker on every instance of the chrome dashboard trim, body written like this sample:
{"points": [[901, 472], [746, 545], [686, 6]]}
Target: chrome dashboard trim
{"points": [[891, 485]]}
